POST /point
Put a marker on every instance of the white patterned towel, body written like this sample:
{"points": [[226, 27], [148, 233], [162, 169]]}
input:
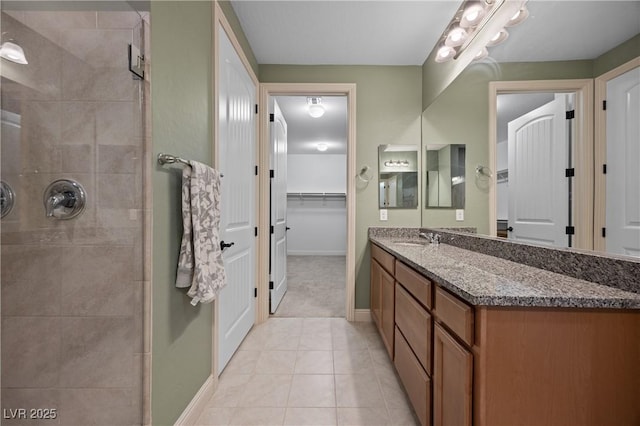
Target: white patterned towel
{"points": [[200, 265]]}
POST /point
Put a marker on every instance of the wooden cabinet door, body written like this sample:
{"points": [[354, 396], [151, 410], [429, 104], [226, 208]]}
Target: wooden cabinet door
{"points": [[452, 376], [387, 299], [376, 276]]}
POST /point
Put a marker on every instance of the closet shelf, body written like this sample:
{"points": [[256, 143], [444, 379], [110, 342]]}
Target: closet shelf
{"points": [[315, 195]]}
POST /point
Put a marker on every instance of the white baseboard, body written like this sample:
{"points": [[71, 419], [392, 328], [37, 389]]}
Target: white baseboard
{"points": [[190, 415], [363, 315]]}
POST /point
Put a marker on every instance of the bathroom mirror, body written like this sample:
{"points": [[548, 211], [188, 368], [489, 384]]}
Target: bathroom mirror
{"points": [[398, 176], [445, 176]]}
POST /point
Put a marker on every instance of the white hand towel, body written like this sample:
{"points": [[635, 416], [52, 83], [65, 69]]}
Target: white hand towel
{"points": [[200, 263]]}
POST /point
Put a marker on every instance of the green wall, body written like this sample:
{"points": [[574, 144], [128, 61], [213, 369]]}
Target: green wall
{"points": [[182, 109], [181, 114], [388, 107]]}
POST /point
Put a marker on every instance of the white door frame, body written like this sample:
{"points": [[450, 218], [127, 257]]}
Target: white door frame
{"points": [[220, 21], [582, 148], [304, 89], [599, 220]]}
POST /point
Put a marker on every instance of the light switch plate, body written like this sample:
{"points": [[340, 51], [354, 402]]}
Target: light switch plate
{"points": [[459, 215], [383, 214]]}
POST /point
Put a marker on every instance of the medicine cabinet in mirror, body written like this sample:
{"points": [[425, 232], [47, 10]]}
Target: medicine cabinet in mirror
{"points": [[398, 176], [445, 176]]}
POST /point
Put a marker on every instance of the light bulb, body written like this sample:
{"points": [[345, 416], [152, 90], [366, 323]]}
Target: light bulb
{"points": [[518, 17], [322, 147], [498, 38], [456, 37], [445, 53], [472, 16]]}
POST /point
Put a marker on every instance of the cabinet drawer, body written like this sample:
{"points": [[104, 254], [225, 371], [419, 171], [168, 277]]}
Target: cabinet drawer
{"points": [[455, 314], [416, 382], [415, 323], [385, 259], [418, 286]]}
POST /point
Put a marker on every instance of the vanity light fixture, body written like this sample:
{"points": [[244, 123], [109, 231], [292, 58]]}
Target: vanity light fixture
{"points": [[322, 147], [399, 163], [11, 51], [470, 19], [315, 108]]}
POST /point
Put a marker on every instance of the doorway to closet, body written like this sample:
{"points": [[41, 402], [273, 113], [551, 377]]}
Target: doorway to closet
{"points": [[308, 208]]}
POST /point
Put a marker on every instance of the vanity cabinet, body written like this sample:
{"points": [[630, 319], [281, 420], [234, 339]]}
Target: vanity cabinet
{"points": [[452, 378], [505, 365], [383, 295]]}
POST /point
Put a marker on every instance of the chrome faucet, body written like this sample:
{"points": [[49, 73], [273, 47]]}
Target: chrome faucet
{"points": [[431, 237], [66, 199]]}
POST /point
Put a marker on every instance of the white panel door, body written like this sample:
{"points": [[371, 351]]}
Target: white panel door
{"points": [[538, 189], [623, 160], [237, 151], [278, 269]]}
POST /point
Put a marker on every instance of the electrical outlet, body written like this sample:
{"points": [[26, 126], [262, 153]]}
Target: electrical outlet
{"points": [[383, 214], [459, 215]]}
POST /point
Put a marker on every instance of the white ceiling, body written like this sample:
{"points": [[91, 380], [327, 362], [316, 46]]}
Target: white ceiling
{"points": [[404, 32], [382, 32]]}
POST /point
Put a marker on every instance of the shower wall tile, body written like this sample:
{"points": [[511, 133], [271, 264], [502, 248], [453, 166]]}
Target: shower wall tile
{"points": [[76, 158], [118, 191], [96, 352], [28, 287], [118, 20], [115, 123], [100, 407], [98, 48], [119, 158], [51, 25], [110, 292], [113, 84], [77, 78], [78, 124], [35, 352]]}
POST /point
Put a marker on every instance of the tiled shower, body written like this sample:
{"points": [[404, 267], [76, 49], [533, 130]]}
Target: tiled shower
{"points": [[75, 293]]}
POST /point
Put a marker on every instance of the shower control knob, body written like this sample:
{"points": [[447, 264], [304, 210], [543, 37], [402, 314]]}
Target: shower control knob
{"points": [[64, 199]]}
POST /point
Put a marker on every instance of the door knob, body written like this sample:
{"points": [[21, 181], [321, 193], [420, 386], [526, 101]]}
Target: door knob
{"points": [[510, 229], [224, 245], [286, 228]]}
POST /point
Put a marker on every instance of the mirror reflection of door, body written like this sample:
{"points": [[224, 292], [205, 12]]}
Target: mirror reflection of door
{"points": [[621, 229], [533, 156]]}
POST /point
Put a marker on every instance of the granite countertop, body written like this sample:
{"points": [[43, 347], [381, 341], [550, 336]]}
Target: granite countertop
{"points": [[484, 280]]}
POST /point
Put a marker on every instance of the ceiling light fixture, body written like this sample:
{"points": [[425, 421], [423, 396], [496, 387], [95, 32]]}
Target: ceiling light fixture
{"points": [[322, 147], [470, 20], [315, 108], [11, 51]]}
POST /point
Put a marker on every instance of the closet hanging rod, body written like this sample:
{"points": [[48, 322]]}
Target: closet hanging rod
{"points": [[170, 159], [317, 194]]}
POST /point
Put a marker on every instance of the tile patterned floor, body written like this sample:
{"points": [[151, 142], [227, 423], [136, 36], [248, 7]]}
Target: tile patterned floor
{"points": [[310, 371], [316, 287]]}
